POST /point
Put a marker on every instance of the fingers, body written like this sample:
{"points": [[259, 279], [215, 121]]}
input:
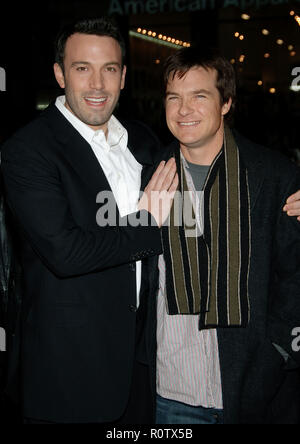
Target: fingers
{"points": [[154, 178], [294, 213], [152, 183], [293, 198], [166, 177], [174, 186], [292, 209], [160, 191], [163, 177]]}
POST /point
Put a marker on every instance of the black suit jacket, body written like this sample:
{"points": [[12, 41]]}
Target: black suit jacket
{"points": [[79, 314], [258, 385]]}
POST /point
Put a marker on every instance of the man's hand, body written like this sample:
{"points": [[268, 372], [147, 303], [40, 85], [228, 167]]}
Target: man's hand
{"points": [[292, 207], [160, 191]]}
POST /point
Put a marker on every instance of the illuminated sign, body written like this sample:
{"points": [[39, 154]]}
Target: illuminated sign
{"points": [[160, 6]]}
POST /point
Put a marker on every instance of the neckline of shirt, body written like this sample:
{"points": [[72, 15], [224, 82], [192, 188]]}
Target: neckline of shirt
{"points": [[117, 134]]}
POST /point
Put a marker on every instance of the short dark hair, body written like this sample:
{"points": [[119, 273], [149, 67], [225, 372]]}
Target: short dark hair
{"points": [[102, 26], [179, 63]]}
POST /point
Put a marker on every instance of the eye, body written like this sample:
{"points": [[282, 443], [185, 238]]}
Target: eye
{"points": [[111, 69], [200, 96], [172, 98], [81, 69]]}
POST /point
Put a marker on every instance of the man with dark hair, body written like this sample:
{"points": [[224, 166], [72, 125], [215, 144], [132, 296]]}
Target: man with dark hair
{"points": [[83, 296], [229, 278], [101, 27]]}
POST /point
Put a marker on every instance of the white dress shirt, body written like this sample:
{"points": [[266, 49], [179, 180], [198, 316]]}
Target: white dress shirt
{"points": [[120, 167]]}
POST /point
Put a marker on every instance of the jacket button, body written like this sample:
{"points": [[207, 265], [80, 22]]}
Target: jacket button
{"points": [[133, 308]]}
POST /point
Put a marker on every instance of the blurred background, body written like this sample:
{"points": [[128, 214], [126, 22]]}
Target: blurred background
{"points": [[259, 37]]}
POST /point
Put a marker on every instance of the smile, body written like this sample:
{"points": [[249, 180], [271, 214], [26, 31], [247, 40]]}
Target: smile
{"points": [[94, 101], [188, 124]]}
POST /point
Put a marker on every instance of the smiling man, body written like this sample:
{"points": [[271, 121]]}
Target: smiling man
{"points": [[228, 298], [82, 281], [93, 76], [195, 116]]}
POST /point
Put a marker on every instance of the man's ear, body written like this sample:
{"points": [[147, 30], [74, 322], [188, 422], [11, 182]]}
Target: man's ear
{"points": [[59, 75], [226, 107]]}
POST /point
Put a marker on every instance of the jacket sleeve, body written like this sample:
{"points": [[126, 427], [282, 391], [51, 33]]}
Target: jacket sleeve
{"points": [[37, 200], [284, 319]]}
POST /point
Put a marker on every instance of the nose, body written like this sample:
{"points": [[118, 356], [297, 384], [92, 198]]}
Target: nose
{"points": [[96, 81], [185, 108]]}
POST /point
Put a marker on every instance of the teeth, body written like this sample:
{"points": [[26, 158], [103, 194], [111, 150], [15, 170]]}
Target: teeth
{"points": [[188, 123], [96, 100]]}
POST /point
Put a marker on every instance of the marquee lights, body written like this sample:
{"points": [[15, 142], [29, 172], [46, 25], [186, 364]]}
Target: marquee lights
{"points": [[239, 36], [266, 32], [245, 16], [160, 38]]}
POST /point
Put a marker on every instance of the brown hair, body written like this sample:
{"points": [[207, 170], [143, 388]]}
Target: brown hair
{"points": [[102, 26], [179, 63]]}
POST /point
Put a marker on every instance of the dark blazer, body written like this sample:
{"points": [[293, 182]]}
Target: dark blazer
{"points": [[79, 303], [258, 386]]}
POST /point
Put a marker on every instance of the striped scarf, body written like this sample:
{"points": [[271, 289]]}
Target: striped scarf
{"points": [[208, 274]]}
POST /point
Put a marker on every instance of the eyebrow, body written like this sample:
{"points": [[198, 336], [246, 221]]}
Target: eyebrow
{"points": [[200, 91], [88, 63]]}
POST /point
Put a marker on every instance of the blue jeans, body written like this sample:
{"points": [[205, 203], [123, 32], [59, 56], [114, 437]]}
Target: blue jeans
{"points": [[173, 412]]}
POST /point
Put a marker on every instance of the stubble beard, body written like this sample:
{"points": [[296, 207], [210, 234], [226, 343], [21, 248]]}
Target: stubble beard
{"points": [[89, 117]]}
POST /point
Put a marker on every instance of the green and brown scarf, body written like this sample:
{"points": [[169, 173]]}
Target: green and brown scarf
{"points": [[208, 274]]}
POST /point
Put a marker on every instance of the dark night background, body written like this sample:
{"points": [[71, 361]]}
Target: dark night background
{"points": [[268, 110], [27, 31]]}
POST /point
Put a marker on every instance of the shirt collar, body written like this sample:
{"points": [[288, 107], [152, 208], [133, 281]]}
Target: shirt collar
{"points": [[117, 134], [184, 161]]}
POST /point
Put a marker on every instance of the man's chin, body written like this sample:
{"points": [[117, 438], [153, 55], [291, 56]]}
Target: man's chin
{"points": [[96, 123], [192, 144]]}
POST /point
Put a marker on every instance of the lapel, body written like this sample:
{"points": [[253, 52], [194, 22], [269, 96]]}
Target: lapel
{"points": [[145, 147], [76, 151], [79, 153]]}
